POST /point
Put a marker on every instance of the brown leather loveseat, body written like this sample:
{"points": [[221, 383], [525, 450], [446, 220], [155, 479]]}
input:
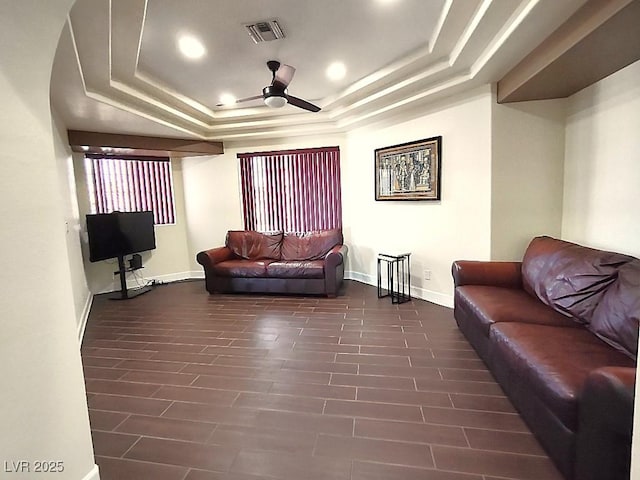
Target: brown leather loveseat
{"points": [[309, 263], [559, 331]]}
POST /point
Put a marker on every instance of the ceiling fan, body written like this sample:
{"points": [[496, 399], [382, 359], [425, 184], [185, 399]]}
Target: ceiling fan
{"points": [[275, 95]]}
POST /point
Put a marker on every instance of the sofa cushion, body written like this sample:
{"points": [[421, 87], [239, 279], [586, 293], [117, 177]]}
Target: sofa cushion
{"points": [[311, 245], [296, 269], [617, 317], [569, 278], [252, 245], [553, 361], [489, 304], [242, 268]]}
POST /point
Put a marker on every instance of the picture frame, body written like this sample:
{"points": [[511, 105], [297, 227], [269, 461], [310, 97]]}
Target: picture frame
{"points": [[409, 171]]}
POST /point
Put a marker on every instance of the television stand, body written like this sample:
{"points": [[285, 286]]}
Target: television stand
{"points": [[124, 293]]}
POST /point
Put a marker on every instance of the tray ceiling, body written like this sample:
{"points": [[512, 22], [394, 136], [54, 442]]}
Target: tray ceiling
{"points": [[118, 68]]}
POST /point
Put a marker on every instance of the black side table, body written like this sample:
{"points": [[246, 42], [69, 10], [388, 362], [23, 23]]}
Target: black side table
{"points": [[398, 277]]}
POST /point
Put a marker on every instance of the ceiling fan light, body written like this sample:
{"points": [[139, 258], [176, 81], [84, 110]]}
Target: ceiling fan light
{"points": [[275, 101]]}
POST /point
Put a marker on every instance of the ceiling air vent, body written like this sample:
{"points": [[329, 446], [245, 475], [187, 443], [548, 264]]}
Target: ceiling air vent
{"points": [[264, 31]]}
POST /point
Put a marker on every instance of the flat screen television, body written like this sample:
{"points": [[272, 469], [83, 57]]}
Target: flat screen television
{"points": [[117, 234]]}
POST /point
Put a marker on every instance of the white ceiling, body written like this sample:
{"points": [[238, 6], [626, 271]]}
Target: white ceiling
{"points": [[118, 68]]}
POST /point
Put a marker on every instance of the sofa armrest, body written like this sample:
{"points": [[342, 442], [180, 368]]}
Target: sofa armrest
{"points": [[209, 258], [603, 449], [336, 255], [334, 269], [499, 274]]}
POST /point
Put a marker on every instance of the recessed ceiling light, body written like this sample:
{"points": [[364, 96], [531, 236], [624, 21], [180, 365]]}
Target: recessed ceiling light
{"points": [[227, 99], [191, 47], [336, 71], [85, 148]]}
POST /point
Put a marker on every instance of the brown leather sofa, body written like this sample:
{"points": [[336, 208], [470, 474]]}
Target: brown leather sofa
{"points": [[559, 332], [309, 263]]}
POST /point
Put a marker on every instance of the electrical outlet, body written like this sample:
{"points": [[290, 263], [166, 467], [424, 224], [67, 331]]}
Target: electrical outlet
{"points": [[427, 274]]}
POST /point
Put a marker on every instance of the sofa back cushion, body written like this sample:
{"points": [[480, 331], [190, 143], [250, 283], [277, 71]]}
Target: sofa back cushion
{"points": [[252, 245], [617, 317], [570, 278], [311, 245]]}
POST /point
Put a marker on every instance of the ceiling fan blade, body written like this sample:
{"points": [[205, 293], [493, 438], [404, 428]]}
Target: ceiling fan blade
{"points": [[247, 99], [298, 102], [283, 75]]}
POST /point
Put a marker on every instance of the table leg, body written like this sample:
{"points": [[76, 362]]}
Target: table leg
{"points": [[409, 277]]}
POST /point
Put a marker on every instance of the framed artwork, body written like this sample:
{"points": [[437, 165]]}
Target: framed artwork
{"points": [[410, 171]]}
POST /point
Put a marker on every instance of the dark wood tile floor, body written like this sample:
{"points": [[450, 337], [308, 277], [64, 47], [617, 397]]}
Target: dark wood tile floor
{"points": [[187, 386]]}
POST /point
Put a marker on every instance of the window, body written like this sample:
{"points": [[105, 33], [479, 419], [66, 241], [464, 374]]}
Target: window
{"points": [[291, 191], [131, 185]]}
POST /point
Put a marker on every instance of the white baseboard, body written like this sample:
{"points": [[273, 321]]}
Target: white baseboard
{"points": [[196, 274], [94, 474], [416, 292], [84, 316], [171, 277], [433, 297], [133, 284], [360, 277]]}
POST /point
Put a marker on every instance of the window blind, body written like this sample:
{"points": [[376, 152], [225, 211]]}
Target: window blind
{"points": [[291, 191], [131, 185]]}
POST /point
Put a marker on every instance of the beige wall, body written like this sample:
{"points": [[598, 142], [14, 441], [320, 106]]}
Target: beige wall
{"points": [[43, 410], [602, 177], [82, 297], [168, 262], [602, 166], [527, 142], [435, 232]]}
